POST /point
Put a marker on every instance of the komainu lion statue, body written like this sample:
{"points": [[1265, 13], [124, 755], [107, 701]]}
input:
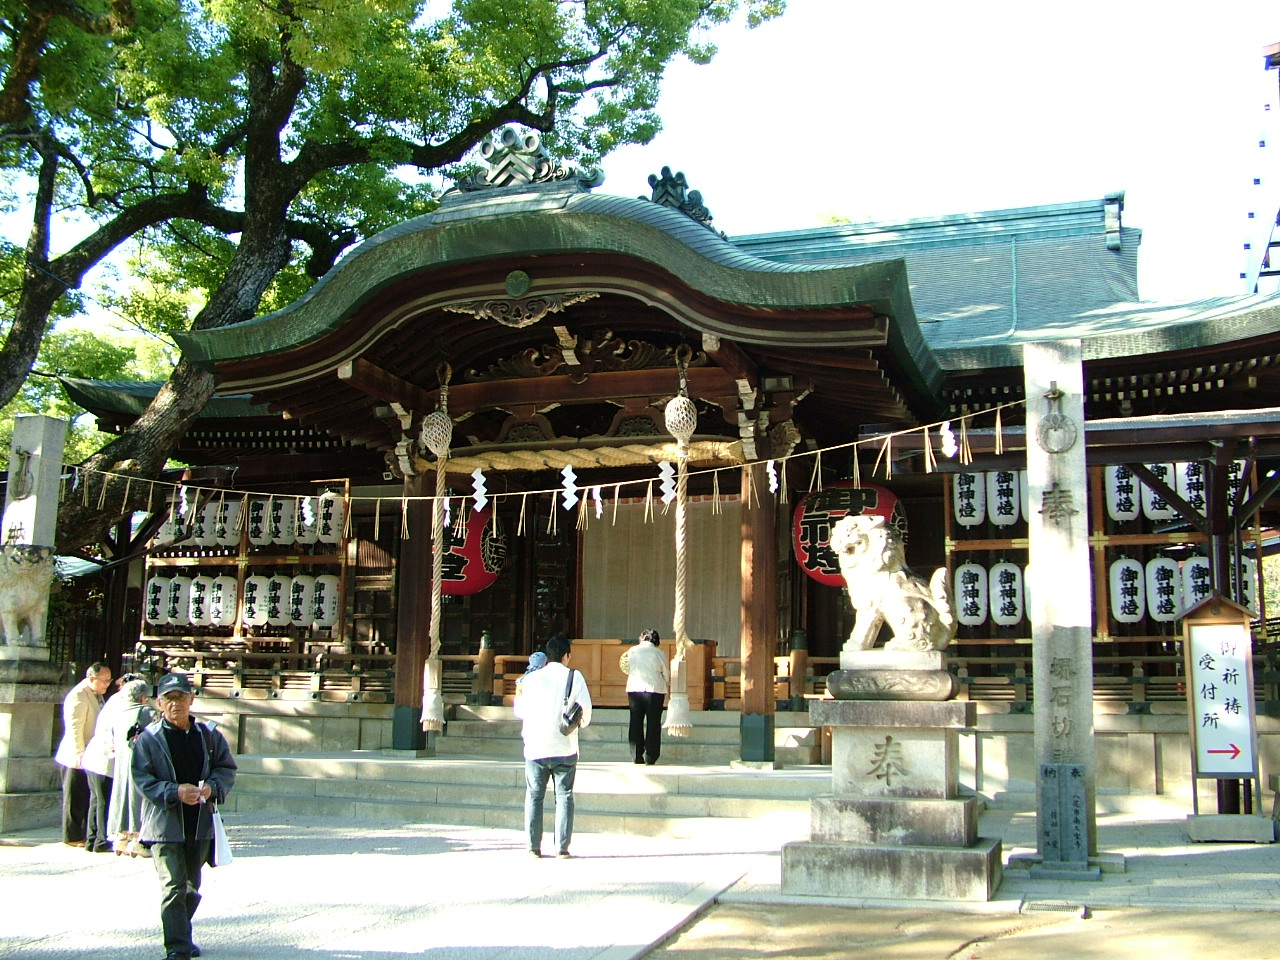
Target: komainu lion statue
{"points": [[25, 576], [882, 590]]}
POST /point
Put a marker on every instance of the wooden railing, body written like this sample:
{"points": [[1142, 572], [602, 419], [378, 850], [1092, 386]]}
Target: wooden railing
{"points": [[998, 673]]}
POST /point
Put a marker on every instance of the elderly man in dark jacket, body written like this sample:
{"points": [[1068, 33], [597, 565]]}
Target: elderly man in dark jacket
{"points": [[183, 768]]}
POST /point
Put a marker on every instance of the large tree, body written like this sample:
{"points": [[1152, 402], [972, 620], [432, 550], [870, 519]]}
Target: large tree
{"points": [[248, 143]]}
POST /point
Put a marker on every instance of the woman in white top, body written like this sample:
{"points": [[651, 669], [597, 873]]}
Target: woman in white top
{"points": [[647, 679]]}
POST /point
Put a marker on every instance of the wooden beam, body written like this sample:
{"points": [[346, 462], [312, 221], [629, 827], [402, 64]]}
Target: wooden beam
{"points": [[384, 385], [731, 357], [538, 391]]}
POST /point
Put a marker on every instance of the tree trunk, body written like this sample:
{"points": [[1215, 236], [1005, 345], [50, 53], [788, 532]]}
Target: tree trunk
{"points": [[114, 481]]}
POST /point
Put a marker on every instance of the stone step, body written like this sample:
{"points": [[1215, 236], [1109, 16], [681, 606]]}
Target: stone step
{"points": [[713, 738], [676, 800]]}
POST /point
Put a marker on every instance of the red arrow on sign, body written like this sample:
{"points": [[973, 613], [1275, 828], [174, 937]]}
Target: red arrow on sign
{"points": [[1233, 750]]}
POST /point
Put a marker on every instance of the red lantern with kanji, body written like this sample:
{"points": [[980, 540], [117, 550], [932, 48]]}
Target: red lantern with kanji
{"points": [[473, 560], [818, 512]]}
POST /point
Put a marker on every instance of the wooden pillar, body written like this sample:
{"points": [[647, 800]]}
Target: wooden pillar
{"points": [[759, 613], [413, 614], [1060, 600]]}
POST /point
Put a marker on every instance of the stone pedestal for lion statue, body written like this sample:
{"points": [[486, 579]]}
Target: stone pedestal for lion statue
{"points": [[30, 686], [894, 826]]}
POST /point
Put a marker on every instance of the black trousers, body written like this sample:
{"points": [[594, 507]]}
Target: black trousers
{"points": [[178, 867], [75, 804], [645, 732], [96, 836]]}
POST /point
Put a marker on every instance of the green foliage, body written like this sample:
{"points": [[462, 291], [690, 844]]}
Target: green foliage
{"points": [[238, 147], [83, 354]]}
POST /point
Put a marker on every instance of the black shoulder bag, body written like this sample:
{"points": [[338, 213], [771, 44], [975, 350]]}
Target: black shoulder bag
{"points": [[570, 713]]}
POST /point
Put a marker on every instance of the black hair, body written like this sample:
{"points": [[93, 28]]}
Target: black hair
{"points": [[557, 647], [651, 635]]}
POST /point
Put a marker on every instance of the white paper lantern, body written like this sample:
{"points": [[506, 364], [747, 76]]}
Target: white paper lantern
{"points": [[178, 610], [301, 596], [156, 605], [1154, 506], [332, 509], [222, 601], [1123, 494], [1190, 484], [1197, 581], [1244, 582], [1128, 590], [259, 523], [969, 587], [282, 520], [307, 520], [1003, 498], [969, 499], [255, 600], [205, 522], [1164, 590], [1235, 477], [278, 588], [198, 601], [226, 527], [1005, 589], [325, 601], [169, 531]]}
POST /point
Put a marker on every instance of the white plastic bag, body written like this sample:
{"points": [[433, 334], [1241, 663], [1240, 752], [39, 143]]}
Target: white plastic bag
{"points": [[222, 855]]}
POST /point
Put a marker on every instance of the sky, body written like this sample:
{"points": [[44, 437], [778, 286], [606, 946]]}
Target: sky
{"points": [[914, 108]]}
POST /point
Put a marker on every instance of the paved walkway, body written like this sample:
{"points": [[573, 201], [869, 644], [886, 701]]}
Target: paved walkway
{"points": [[319, 889]]}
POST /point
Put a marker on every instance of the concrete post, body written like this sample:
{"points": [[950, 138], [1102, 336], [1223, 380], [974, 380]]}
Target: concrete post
{"points": [[1060, 600]]}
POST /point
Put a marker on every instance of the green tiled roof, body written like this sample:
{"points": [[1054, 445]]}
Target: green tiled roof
{"points": [[557, 218], [132, 397]]}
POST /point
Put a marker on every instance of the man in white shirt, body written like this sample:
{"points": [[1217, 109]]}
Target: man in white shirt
{"points": [[647, 679], [549, 754]]}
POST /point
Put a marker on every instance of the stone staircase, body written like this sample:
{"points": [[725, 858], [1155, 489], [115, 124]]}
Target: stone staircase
{"points": [[714, 739], [476, 778]]}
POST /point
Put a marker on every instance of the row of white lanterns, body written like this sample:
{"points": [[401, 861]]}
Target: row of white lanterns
{"points": [[281, 520], [1126, 495], [977, 592], [1000, 496], [277, 601], [1162, 589]]}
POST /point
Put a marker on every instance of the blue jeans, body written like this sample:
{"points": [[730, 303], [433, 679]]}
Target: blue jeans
{"points": [[536, 774]]}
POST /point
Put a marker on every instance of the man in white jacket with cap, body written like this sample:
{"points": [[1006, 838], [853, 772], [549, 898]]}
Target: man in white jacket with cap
{"points": [[549, 754]]}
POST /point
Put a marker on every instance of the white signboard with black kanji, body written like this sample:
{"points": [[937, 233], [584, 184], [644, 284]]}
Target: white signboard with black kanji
{"points": [[1220, 681]]}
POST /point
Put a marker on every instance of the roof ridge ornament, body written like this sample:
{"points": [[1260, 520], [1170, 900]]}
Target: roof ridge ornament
{"points": [[672, 190], [521, 160]]}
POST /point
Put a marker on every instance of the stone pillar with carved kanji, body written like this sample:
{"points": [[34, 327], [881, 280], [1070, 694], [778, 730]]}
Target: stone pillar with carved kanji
{"points": [[30, 687], [1061, 612], [895, 825]]}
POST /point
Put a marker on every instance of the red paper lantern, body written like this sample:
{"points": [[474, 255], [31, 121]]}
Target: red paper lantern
{"points": [[817, 512], [474, 560]]}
